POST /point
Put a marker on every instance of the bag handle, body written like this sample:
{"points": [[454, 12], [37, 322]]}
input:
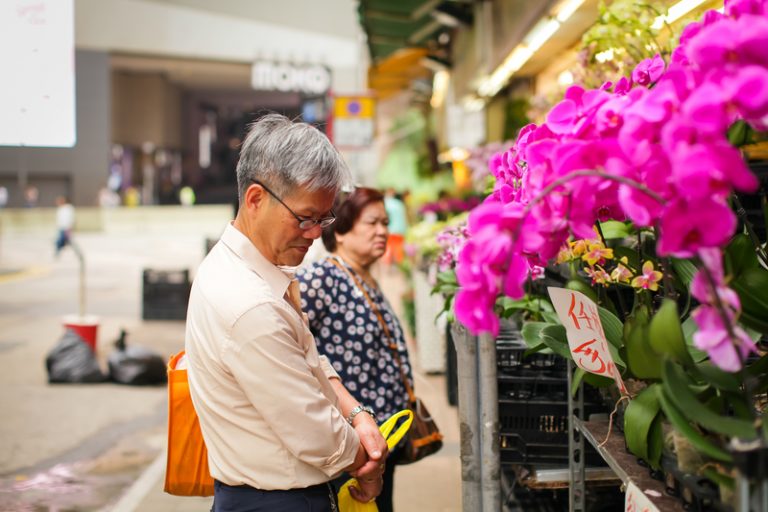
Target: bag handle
{"points": [[394, 437], [392, 345]]}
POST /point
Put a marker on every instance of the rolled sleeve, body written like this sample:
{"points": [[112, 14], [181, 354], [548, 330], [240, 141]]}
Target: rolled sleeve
{"points": [[328, 368], [284, 382]]}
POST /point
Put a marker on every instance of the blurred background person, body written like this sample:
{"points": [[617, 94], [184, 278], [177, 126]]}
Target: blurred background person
{"points": [[398, 224], [65, 222], [353, 323]]}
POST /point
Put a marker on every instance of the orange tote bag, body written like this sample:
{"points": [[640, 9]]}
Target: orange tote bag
{"points": [[186, 470]]}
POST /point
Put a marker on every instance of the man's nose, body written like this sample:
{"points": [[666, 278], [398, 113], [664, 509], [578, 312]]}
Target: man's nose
{"points": [[314, 232]]}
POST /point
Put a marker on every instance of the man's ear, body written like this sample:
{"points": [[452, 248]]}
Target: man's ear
{"points": [[254, 197]]}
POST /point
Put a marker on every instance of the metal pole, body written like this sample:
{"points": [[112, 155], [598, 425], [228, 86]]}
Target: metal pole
{"points": [[490, 466], [577, 488], [81, 259], [469, 426]]}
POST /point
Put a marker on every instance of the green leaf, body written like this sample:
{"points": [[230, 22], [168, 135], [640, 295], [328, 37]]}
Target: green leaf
{"points": [[655, 442], [554, 337], [685, 270], [632, 259], [638, 418], [696, 438], [740, 255], [580, 286], [641, 359], [666, 333], [738, 133], [578, 376], [752, 287], [613, 229], [598, 381], [550, 317], [612, 327], [689, 328], [708, 372], [538, 349], [531, 332], [676, 387]]}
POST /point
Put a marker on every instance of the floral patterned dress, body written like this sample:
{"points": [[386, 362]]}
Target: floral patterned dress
{"points": [[348, 332]]}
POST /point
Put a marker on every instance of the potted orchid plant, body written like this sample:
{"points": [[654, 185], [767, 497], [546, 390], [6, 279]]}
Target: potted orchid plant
{"points": [[634, 186]]}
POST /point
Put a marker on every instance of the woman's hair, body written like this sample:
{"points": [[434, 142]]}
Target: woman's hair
{"points": [[347, 212], [285, 155]]}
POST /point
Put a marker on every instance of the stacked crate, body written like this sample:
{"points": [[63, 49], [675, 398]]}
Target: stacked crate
{"points": [[533, 405], [165, 294]]}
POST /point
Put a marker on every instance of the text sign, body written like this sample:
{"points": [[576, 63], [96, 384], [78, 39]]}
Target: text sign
{"points": [[586, 339], [308, 79], [636, 501]]}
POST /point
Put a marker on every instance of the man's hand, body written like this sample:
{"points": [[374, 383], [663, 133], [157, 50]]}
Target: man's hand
{"points": [[367, 489], [374, 444]]}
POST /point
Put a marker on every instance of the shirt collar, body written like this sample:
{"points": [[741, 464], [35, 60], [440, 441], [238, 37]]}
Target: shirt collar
{"points": [[277, 277]]}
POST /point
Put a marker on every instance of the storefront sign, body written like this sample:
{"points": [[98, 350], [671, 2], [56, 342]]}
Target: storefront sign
{"points": [[586, 339], [307, 79]]}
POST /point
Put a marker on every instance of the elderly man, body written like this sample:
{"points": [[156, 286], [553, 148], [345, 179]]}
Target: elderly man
{"points": [[278, 423]]}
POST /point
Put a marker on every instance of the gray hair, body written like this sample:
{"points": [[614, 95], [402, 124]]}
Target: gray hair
{"points": [[285, 155]]}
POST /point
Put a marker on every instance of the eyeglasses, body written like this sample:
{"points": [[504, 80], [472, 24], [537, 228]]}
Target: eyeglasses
{"points": [[305, 223]]}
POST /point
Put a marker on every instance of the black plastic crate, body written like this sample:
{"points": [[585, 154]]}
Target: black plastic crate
{"points": [[535, 431], [165, 294], [698, 493], [511, 360]]}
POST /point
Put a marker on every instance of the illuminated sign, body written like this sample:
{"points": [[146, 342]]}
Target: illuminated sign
{"points": [[308, 79]]}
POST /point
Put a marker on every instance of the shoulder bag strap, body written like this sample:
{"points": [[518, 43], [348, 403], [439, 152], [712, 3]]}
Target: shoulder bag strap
{"points": [[372, 304]]}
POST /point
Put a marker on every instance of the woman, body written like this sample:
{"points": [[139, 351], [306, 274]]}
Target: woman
{"points": [[346, 309]]}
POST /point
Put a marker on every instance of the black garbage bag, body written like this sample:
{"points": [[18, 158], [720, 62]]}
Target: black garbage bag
{"points": [[136, 366], [72, 361]]}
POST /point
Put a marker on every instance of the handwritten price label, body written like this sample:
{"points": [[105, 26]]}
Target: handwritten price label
{"points": [[636, 501], [586, 339]]}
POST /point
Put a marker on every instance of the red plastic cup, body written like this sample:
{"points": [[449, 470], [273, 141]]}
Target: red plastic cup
{"points": [[86, 327]]}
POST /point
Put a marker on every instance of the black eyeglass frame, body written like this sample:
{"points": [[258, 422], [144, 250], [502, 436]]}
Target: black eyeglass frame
{"points": [[305, 223]]}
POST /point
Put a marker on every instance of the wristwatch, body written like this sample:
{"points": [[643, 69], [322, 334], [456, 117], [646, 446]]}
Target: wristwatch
{"points": [[357, 410]]}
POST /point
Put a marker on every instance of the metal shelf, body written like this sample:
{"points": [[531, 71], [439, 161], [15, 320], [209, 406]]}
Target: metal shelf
{"points": [[625, 464]]}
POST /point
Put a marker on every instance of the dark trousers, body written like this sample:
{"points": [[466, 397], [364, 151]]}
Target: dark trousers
{"points": [[243, 498]]}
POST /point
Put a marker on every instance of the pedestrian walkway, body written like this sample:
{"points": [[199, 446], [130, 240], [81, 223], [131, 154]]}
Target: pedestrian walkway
{"points": [[431, 485], [99, 447]]}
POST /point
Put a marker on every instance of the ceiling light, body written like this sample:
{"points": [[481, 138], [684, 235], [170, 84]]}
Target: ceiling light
{"points": [[676, 12], [565, 9], [540, 33], [439, 88], [473, 103]]}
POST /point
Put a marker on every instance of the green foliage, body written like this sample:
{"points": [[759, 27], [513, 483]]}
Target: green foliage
{"points": [[642, 426], [515, 117], [666, 333]]}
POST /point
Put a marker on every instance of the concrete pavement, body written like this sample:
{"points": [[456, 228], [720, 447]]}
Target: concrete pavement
{"points": [[97, 447]]}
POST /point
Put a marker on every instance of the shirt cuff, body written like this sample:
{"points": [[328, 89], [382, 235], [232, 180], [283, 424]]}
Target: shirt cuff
{"points": [[328, 369], [345, 455]]}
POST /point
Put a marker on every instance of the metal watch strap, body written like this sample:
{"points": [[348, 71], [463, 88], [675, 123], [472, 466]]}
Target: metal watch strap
{"points": [[357, 410]]}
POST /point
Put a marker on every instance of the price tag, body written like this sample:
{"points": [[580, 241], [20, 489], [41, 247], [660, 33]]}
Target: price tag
{"points": [[586, 339], [636, 501]]}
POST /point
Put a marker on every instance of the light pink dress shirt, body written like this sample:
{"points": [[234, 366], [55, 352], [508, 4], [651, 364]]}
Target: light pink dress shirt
{"points": [[267, 409]]}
